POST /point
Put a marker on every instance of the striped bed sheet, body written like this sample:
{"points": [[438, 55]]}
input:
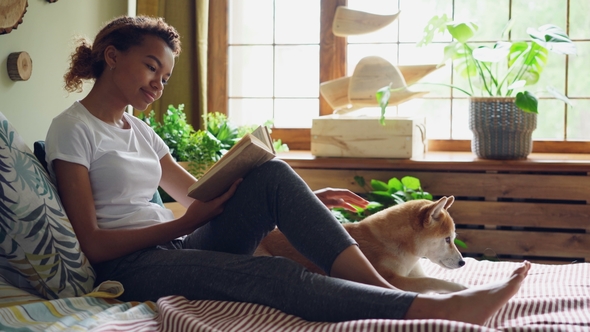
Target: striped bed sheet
{"points": [[552, 298]]}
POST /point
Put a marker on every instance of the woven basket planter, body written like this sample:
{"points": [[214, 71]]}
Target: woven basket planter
{"points": [[500, 129]]}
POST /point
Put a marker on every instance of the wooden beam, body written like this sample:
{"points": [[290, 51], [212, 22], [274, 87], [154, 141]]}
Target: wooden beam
{"points": [[217, 89], [332, 49]]}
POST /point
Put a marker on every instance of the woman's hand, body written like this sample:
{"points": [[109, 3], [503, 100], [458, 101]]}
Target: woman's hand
{"points": [[342, 198], [199, 213]]}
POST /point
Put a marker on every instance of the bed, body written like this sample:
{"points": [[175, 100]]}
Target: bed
{"points": [[47, 284], [552, 298]]}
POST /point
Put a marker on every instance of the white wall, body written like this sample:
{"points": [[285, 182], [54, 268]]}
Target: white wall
{"points": [[47, 34]]}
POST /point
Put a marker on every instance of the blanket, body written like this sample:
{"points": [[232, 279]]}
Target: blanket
{"points": [[552, 298]]}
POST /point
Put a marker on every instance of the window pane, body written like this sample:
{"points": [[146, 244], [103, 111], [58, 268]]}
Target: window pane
{"points": [[579, 23], [535, 13], [250, 24], [550, 121], [295, 113], [415, 15], [249, 111], [578, 119], [579, 71], [553, 75], [250, 71], [297, 22], [491, 16], [297, 72], [430, 54], [437, 113], [460, 123]]}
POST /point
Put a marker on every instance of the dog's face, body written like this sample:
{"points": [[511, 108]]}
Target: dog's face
{"points": [[437, 241]]}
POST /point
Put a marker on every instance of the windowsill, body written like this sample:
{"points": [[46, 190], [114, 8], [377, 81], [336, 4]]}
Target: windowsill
{"points": [[439, 160]]}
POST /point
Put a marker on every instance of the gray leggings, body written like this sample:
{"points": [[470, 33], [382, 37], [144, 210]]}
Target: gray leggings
{"points": [[216, 263]]}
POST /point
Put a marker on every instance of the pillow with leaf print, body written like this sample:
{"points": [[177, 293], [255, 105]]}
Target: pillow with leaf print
{"points": [[37, 242]]}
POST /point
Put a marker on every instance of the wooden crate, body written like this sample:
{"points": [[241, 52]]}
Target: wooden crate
{"points": [[366, 137]]}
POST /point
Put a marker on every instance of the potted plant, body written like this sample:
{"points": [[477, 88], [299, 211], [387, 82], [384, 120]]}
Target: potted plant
{"points": [[502, 113], [197, 150]]}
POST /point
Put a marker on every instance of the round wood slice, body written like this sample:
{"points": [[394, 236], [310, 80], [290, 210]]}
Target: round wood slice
{"points": [[11, 14], [20, 66]]}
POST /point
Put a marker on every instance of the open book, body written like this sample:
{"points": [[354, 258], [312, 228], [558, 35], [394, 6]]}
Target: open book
{"points": [[249, 152]]}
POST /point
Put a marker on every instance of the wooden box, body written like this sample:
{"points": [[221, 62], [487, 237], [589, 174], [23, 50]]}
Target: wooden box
{"points": [[366, 137]]}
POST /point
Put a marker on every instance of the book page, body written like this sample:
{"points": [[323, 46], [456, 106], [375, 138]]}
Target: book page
{"points": [[263, 134]]}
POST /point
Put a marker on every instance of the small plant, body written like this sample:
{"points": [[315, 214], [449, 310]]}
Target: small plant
{"points": [[502, 70], [224, 131], [382, 195], [174, 130]]}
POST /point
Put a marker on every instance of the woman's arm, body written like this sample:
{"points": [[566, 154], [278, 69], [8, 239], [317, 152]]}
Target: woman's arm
{"points": [[74, 188], [176, 180]]}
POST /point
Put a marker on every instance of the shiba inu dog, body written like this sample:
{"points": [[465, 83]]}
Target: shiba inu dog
{"points": [[394, 240]]}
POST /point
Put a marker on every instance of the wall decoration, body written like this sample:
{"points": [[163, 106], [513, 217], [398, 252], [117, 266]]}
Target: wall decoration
{"points": [[11, 14], [20, 66]]}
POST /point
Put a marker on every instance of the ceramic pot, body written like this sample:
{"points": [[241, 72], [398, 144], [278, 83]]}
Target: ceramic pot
{"points": [[500, 129]]}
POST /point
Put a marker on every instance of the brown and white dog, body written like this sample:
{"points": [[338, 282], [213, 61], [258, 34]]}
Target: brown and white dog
{"points": [[394, 240]]}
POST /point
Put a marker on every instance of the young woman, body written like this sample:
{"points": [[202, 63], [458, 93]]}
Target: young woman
{"points": [[107, 164]]}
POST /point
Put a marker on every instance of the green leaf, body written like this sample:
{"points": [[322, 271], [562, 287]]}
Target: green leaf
{"points": [[411, 182], [552, 38], [395, 184], [373, 205], [422, 195], [517, 49], [437, 24], [517, 85], [527, 102], [559, 95], [531, 76], [496, 54], [378, 185], [460, 243], [507, 29], [526, 61], [359, 180], [463, 61], [383, 95], [382, 197], [462, 31]]}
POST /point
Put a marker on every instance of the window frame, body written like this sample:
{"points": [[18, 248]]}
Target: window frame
{"points": [[332, 66]]}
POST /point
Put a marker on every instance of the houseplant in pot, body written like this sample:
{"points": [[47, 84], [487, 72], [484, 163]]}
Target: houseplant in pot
{"points": [[502, 112]]}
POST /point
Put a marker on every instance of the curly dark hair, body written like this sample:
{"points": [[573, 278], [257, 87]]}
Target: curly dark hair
{"points": [[87, 62]]}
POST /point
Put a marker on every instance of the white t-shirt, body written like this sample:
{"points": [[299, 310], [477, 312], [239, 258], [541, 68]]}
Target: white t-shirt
{"points": [[123, 165]]}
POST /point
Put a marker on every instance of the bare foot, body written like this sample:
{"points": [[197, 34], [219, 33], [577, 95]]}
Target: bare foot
{"points": [[473, 305]]}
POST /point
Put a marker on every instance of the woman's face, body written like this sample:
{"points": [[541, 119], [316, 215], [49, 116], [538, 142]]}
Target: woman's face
{"points": [[142, 71]]}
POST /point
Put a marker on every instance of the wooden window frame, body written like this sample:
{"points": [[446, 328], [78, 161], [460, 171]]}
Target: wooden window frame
{"points": [[332, 66]]}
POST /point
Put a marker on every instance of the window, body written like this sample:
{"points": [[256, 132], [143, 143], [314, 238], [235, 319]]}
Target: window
{"points": [[273, 55], [278, 52]]}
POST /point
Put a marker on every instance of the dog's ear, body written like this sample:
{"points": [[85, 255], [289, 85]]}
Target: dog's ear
{"points": [[436, 210], [450, 201]]}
